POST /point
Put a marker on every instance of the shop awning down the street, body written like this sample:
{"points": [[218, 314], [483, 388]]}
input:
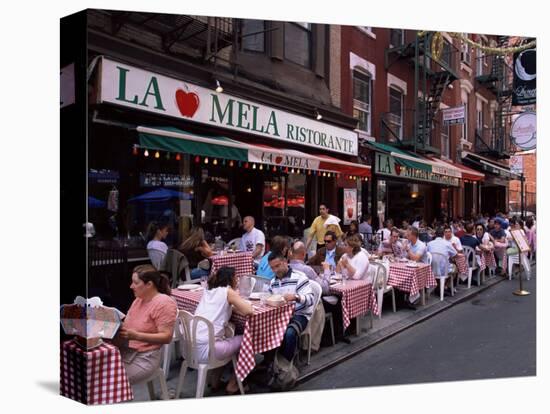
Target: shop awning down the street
{"points": [[466, 173], [488, 165], [174, 140]]}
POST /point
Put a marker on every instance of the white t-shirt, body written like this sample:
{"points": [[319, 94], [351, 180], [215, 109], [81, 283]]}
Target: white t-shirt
{"points": [[384, 234], [157, 245], [251, 238], [360, 263], [456, 241]]}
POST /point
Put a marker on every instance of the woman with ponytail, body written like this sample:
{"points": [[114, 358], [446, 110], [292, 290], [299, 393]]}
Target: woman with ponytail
{"points": [[149, 323], [156, 248]]}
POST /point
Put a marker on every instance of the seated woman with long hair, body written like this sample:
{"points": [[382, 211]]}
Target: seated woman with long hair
{"points": [[196, 249], [156, 247], [355, 262], [216, 305], [149, 323]]}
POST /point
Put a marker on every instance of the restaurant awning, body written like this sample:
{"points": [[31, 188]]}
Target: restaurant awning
{"points": [[488, 165], [174, 140], [466, 173], [404, 158]]}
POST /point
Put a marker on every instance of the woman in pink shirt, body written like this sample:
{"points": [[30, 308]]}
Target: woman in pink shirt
{"points": [[149, 323]]}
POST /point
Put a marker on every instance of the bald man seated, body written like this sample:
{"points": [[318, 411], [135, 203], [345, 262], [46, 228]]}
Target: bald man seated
{"points": [[297, 257]]}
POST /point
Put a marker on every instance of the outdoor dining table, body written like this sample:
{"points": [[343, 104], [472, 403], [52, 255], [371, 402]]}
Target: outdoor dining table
{"points": [[262, 331], [357, 298], [412, 280], [95, 376], [241, 261]]}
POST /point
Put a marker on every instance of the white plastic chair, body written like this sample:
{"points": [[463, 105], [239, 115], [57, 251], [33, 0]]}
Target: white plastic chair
{"points": [[472, 266], [235, 243], [441, 261], [157, 257], [188, 346], [158, 374], [317, 291], [514, 259], [167, 348], [381, 286]]}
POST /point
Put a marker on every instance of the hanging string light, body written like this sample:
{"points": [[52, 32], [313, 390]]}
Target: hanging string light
{"points": [[197, 159], [438, 43], [231, 163], [286, 170], [135, 150], [223, 162], [206, 160], [215, 162], [292, 171], [146, 153], [261, 167], [178, 156], [157, 154], [274, 168], [254, 166], [167, 156], [246, 165]]}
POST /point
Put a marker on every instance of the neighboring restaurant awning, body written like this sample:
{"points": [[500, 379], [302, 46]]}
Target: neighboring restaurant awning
{"points": [[488, 165], [404, 158], [174, 140], [466, 173]]}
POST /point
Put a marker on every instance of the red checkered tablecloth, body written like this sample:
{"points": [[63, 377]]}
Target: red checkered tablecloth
{"points": [[481, 262], [93, 377], [357, 299], [489, 257], [241, 261], [411, 279], [461, 264], [264, 330]]}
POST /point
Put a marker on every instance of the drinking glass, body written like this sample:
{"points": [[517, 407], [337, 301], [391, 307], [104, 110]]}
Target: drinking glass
{"points": [[204, 282]]}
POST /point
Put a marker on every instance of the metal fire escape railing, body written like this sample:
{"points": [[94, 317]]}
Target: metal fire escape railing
{"points": [[414, 128], [206, 36], [495, 74]]}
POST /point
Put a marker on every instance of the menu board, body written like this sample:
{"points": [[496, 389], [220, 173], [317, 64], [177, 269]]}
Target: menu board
{"points": [[521, 241]]}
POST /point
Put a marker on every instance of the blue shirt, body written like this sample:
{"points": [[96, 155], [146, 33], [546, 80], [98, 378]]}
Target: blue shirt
{"points": [[330, 256], [440, 245], [419, 248], [264, 270]]}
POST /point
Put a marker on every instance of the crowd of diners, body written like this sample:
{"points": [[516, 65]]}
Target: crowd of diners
{"points": [[287, 267]]}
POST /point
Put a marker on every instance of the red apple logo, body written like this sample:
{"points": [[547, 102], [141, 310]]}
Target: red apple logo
{"points": [[397, 169], [278, 159], [188, 102]]}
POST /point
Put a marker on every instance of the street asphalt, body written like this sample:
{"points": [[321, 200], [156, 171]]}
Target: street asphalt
{"points": [[491, 335]]}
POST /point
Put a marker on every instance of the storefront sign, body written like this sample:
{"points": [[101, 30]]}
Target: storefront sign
{"points": [[525, 78], [516, 164], [136, 88], [103, 177], [452, 116], [287, 159], [387, 165], [164, 180], [524, 131], [350, 205]]}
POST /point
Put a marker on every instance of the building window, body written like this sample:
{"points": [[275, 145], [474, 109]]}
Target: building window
{"points": [[253, 35], [298, 43], [446, 53], [445, 140], [362, 92], [396, 112], [465, 124], [465, 55], [480, 62], [397, 37]]}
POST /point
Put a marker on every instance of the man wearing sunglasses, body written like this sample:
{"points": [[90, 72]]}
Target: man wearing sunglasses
{"points": [[329, 252]]}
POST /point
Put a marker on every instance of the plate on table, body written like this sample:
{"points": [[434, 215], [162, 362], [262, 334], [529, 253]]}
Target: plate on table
{"points": [[412, 264], [256, 295], [189, 287]]}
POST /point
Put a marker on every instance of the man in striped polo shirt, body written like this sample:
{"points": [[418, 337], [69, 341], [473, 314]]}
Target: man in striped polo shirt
{"points": [[294, 286]]}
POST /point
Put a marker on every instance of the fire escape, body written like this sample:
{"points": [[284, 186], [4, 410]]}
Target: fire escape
{"points": [[198, 37], [413, 128], [496, 74]]}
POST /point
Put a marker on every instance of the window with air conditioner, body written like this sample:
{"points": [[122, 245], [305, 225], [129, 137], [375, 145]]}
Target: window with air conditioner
{"points": [[465, 55], [362, 93], [445, 140], [397, 37]]}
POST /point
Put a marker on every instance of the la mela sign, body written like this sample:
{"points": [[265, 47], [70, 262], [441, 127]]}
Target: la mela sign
{"points": [[129, 86]]}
